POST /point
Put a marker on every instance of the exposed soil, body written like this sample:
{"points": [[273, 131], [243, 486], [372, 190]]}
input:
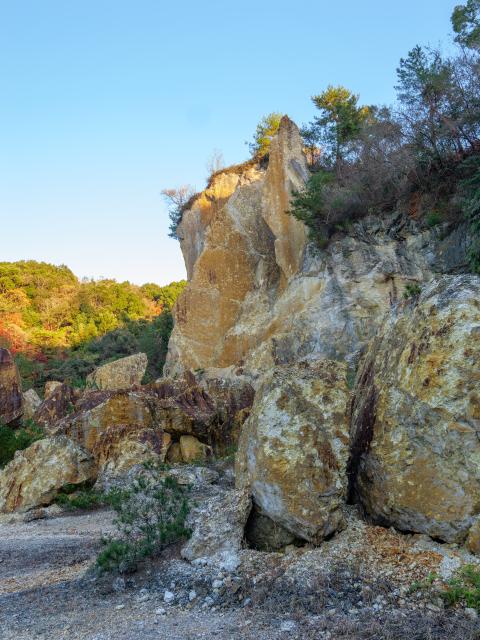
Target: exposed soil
{"points": [[354, 586]]}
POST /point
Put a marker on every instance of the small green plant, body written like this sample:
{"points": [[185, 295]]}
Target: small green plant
{"points": [[150, 515], [412, 291], [464, 588], [75, 497], [12, 440], [420, 585], [433, 219]]}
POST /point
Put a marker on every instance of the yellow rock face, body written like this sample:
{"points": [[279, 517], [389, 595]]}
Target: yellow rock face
{"points": [[119, 374], [35, 475], [11, 403], [237, 239], [416, 414], [121, 446], [192, 449], [293, 449], [287, 171]]}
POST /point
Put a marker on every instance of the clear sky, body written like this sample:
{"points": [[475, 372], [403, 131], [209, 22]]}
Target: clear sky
{"points": [[103, 103]]}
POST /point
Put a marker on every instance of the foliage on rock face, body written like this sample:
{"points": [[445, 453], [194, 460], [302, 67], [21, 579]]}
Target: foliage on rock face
{"points": [[60, 328], [417, 159], [265, 131], [150, 515], [176, 200], [471, 209], [12, 440]]}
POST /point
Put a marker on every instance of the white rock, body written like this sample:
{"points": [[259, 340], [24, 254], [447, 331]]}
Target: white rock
{"points": [[168, 597]]}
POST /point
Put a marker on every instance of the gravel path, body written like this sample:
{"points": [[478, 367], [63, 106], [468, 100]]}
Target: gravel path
{"points": [[42, 594], [45, 594]]}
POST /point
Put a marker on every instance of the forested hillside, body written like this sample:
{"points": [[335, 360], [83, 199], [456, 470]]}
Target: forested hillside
{"points": [[61, 328]]}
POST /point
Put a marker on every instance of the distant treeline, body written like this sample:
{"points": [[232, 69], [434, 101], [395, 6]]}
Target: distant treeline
{"points": [[61, 328]]}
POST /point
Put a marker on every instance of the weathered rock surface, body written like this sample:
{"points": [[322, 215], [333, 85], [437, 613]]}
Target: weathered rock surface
{"points": [[293, 449], [120, 447], [11, 404], [35, 475], [31, 402], [191, 449], [217, 529], [59, 403], [259, 295], [416, 414], [211, 413], [50, 387], [119, 374]]}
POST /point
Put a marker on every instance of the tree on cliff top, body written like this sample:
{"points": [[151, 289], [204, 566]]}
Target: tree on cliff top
{"points": [[265, 131], [339, 122], [176, 200]]}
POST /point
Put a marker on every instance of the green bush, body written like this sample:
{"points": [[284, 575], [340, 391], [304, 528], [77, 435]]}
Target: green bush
{"points": [[433, 218], [73, 497], [412, 291], [464, 588], [12, 440], [150, 515]]}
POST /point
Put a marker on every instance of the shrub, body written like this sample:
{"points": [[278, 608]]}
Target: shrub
{"points": [[12, 440], [412, 291], [265, 131], [464, 588], [433, 218], [151, 515], [73, 497]]}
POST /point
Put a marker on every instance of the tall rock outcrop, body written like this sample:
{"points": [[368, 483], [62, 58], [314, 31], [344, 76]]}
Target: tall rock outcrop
{"points": [[259, 295], [416, 414], [11, 401]]}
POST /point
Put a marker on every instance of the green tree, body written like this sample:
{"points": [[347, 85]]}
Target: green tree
{"points": [[265, 131], [466, 24], [177, 200], [340, 120]]}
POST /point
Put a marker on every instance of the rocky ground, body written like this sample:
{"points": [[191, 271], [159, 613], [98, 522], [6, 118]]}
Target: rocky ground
{"points": [[357, 585]]}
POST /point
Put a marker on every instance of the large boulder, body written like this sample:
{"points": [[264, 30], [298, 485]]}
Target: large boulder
{"points": [[50, 387], [35, 475], [11, 404], [217, 525], [293, 449], [178, 407], [120, 447], [31, 402], [59, 403], [119, 374], [416, 414]]}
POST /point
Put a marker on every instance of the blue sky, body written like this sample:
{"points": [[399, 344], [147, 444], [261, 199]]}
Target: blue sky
{"points": [[103, 103]]}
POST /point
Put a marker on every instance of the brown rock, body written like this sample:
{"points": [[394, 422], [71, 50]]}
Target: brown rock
{"points": [[120, 447], [50, 387], [119, 374], [31, 402], [11, 404], [174, 454], [293, 448], [35, 475], [416, 414], [192, 450], [60, 402]]}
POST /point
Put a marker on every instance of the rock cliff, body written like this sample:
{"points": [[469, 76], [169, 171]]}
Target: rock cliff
{"points": [[380, 320], [259, 295]]}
